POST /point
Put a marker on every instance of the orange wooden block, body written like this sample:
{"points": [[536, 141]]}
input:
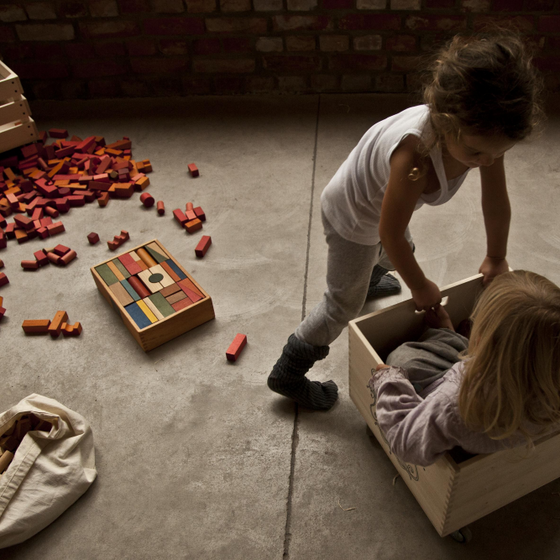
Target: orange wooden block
{"points": [[31, 326], [236, 346], [56, 324], [193, 225], [72, 330]]}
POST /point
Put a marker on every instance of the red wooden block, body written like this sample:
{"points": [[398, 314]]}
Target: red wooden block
{"points": [[189, 292], [68, 257], [193, 170], [147, 200], [61, 250], [29, 265], [3, 240], [57, 227], [103, 200], [203, 245], [179, 216], [160, 207], [113, 245], [41, 258], [200, 214], [58, 133], [53, 257], [181, 304], [72, 330], [52, 212], [139, 287], [190, 215], [131, 265], [93, 238], [236, 346], [43, 232], [1, 263]]}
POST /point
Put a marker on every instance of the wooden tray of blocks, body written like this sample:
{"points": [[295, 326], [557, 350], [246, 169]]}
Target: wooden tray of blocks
{"points": [[155, 296], [16, 125], [458, 488]]}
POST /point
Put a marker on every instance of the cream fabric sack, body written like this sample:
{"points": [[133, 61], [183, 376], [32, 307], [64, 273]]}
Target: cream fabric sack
{"points": [[49, 471]]}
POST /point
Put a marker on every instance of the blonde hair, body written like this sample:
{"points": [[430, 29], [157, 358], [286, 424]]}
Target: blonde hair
{"points": [[482, 84], [512, 371]]}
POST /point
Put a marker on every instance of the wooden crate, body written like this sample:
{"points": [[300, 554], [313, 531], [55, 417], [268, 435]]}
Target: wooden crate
{"points": [[16, 125], [455, 490], [164, 329]]}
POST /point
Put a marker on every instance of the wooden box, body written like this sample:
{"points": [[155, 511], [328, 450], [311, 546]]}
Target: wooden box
{"points": [[184, 309], [16, 125], [455, 490]]}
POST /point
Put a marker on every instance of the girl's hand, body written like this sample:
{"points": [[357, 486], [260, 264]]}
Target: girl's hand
{"points": [[492, 267], [438, 318], [427, 296]]}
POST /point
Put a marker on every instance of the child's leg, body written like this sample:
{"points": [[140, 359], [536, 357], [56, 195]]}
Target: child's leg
{"points": [[349, 267], [428, 359]]}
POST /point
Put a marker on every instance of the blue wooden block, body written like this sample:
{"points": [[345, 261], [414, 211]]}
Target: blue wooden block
{"points": [[138, 315], [133, 294], [176, 269]]}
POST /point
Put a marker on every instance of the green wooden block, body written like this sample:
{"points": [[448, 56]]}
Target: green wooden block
{"points": [[121, 268], [155, 255], [130, 290], [162, 304], [107, 274]]}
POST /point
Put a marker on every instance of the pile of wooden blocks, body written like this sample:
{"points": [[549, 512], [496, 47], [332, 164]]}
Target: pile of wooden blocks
{"points": [[13, 436], [59, 255], [58, 325]]}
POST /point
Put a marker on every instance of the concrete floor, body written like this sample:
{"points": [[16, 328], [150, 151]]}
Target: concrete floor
{"points": [[197, 459]]}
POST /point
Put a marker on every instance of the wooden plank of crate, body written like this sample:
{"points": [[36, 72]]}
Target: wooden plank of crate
{"points": [[15, 110], [10, 86]]}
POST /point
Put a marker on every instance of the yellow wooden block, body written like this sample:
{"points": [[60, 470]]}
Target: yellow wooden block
{"points": [[153, 308], [147, 311]]}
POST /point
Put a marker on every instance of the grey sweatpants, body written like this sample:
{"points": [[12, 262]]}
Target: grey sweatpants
{"points": [[349, 268]]}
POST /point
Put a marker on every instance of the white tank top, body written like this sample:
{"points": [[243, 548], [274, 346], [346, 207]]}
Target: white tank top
{"points": [[352, 199]]}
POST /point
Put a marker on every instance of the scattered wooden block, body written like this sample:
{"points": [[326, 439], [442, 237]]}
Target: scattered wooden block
{"points": [[72, 330], [41, 258], [3, 279], [147, 200], [58, 133], [193, 225], [236, 346], [180, 216], [193, 170], [203, 245], [200, 214], [93, 238], [160, 207], [31, 326], [61, 250], [68, 257], [2, 309], [30, 265], [56, 324], [103, 200]]}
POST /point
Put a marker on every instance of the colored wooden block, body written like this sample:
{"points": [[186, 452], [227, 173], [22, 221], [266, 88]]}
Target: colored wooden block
{"points": [[160, 207], [131, 291], [191, 294], [32, 326], [152, 307], [58, 133], [120, 267], [41, 258], [203, 245], [172, 289], [68, 257], [146, 257], [181, 304], [3, 279], [151, 280], [53, 257], [190, 214], [57, 227], [156, 255], [129, 263], [56, 324], [236, 347], [187, 283], [199, 212], [162, 304], [146, 310], [103, 200], [106, 274], [166, 280], [174, 271], [139, 287], [115, 270], [138, 316], [193, 170], [30, 265], [72, 330], [1, 263], [21, 235], [177, 296], [180, 216], [121, 295], [193, 225], [61, 250], [147, 199]]}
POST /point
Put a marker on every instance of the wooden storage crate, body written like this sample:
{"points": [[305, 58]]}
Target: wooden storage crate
{"points": [[164, 329], [455, 490], [16, 125]]}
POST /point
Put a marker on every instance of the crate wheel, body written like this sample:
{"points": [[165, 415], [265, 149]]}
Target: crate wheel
{"points": [[462, 535]]}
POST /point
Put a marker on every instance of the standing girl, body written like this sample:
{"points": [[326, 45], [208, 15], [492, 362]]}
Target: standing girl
{"points": [[481, 100]]}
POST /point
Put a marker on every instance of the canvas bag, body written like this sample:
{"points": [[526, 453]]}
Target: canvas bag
{"points": [[49, 471]]}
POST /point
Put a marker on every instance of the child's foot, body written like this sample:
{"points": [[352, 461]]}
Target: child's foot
{"points": [[288, 376], [387, 285]]}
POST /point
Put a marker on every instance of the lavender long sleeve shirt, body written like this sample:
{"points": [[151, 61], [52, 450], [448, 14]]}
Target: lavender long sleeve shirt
{"points": [[422, 427]]}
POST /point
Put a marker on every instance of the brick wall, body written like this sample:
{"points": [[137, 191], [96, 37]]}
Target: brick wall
{"points": [[64, 49]]}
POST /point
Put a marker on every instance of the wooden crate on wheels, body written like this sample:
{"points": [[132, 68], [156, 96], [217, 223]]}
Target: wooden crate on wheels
{"points": [[16, 125], [456, 490]]}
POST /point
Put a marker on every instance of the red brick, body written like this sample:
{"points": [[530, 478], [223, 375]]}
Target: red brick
{"points": [[168, 6], [157, 65], [133, 6], [99, 68], [338, 4], [104, 88], [405, 63], [235, 5], [7, 34], [40, 70], [353, 62], [324, 82], [72, 9], [547, 63], [53, 50], [292, 84], [145, 47], [110, 49], [46, 32], [196, 85], [19, 51], [540, 5], [79, 50], [206, 46], [165, 87], [308, 23], [300, 43], [291, 63], [368, 43], [229, 84], [174, 26], [103, 8], [334, 43], [552, 44], [236, 25], [439, 4], [104, 29], [401, 43], [358, 82], [237, 45], [435, 23], [224, 65], [170, 47], [11, 13], [508, 5], [370, 21], [549, 24], [259, 84], [201, 6], [476, 5], [390, 83]]}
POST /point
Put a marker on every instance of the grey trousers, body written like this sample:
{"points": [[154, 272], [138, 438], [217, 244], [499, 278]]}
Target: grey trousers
{"points": [[349, 268]]}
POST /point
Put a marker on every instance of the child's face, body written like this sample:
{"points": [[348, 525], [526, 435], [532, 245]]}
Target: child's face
{"points": [[475, 151]]}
